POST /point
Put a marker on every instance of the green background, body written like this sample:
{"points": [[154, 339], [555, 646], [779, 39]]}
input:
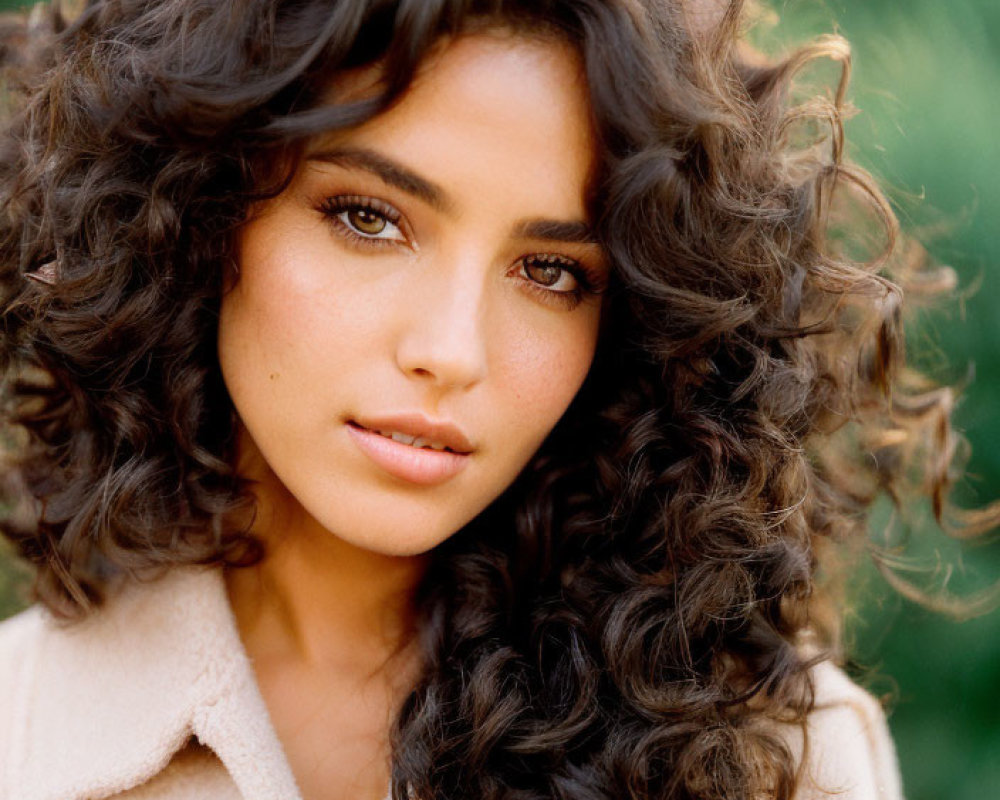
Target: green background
{"points": [[927, 81]]}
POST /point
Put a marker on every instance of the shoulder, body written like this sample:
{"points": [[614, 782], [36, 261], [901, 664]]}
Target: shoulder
{"points": [[20, 638], [16, 633], [846, 751], [115, 693]]}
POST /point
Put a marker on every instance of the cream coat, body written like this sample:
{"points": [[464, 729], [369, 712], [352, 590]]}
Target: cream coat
{"points": [[155, 697]]}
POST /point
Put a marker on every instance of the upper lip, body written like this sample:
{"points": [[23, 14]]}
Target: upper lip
{"points": [[446, 433]]}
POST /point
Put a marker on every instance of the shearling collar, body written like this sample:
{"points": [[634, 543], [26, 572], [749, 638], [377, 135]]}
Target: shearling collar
{"points": [[101, 706], [108, 701]]}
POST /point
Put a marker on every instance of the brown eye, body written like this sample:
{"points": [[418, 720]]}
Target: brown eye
{"points": [[366, 221], [549, 273]]}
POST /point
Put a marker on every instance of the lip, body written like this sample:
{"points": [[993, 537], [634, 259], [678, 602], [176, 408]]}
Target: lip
{"points": [[446, 433], [421, 466]]}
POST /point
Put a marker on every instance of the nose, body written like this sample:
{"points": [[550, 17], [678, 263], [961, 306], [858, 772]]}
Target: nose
{"points": [[443, 341]]}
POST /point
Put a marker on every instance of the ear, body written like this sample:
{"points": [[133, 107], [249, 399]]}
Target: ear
{"points": [[47, 273]]}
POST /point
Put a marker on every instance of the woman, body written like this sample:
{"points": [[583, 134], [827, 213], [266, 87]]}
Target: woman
{"points": [[461, 397]]}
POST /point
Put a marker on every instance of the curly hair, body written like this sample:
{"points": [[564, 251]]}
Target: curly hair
{"points": [[628, 618]]}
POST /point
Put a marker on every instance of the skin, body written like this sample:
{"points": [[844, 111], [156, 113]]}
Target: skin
{"points": [[451, 314]]}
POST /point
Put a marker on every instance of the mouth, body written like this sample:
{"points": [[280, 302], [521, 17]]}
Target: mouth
{"points": [[411, 458], [419, 442], [417, 431]]}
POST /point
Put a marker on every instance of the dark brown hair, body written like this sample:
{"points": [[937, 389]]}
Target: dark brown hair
{"points": [[624, 620]]}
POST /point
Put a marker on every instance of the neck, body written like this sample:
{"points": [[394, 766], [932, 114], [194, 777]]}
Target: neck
{"points": [[320, 601]]}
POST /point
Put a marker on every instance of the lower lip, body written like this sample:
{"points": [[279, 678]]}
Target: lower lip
{"points": [[412, 464]]}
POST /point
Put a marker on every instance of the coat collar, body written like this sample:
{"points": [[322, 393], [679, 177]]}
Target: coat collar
{"points": [[114, 697]]}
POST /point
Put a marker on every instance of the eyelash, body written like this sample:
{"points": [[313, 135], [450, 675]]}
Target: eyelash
{"points": [[333, 207], [588, 282]]}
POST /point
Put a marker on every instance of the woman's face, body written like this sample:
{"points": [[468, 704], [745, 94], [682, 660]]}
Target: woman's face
{"points": [[430, 273]]}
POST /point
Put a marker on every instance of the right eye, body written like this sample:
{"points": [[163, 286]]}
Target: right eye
{"points": [[365, 219]]}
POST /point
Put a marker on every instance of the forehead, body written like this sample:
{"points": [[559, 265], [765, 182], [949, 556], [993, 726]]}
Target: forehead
{"points": [[491, 95], [365, 81]]}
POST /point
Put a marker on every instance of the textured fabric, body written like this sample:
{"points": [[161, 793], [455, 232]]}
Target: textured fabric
{"points": [[849, 753], [102, 706], [194, 772], [154, 698]]}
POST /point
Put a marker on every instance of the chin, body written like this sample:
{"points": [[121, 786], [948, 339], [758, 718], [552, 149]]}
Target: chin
{"points": [[395, 542]]}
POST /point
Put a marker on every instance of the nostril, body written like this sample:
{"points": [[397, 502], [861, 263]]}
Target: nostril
{"points": [[449, 359]]}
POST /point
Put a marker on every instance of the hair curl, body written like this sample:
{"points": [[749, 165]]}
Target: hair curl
{"points": [[624, 620]]}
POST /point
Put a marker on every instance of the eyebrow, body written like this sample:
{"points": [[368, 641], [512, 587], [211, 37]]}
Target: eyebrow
{"points": [[556, 231], [403, 178], [391, 172]]}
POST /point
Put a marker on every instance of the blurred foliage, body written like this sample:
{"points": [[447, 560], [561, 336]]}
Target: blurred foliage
{"points": [[14, 583], [927, 81]]}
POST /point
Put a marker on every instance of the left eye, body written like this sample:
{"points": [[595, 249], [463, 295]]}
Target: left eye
{"points": [[555, 274]]}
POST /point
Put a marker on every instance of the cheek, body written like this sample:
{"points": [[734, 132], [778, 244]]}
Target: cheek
{"points": [[543, 372], [259, 343], [289, 314]]}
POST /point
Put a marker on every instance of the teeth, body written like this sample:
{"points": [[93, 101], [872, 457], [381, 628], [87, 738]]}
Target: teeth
{"points": [[421, 442], [413, 441]]}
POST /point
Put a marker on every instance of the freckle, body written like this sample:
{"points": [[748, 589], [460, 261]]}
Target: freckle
{"points": [[273, 375]]}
